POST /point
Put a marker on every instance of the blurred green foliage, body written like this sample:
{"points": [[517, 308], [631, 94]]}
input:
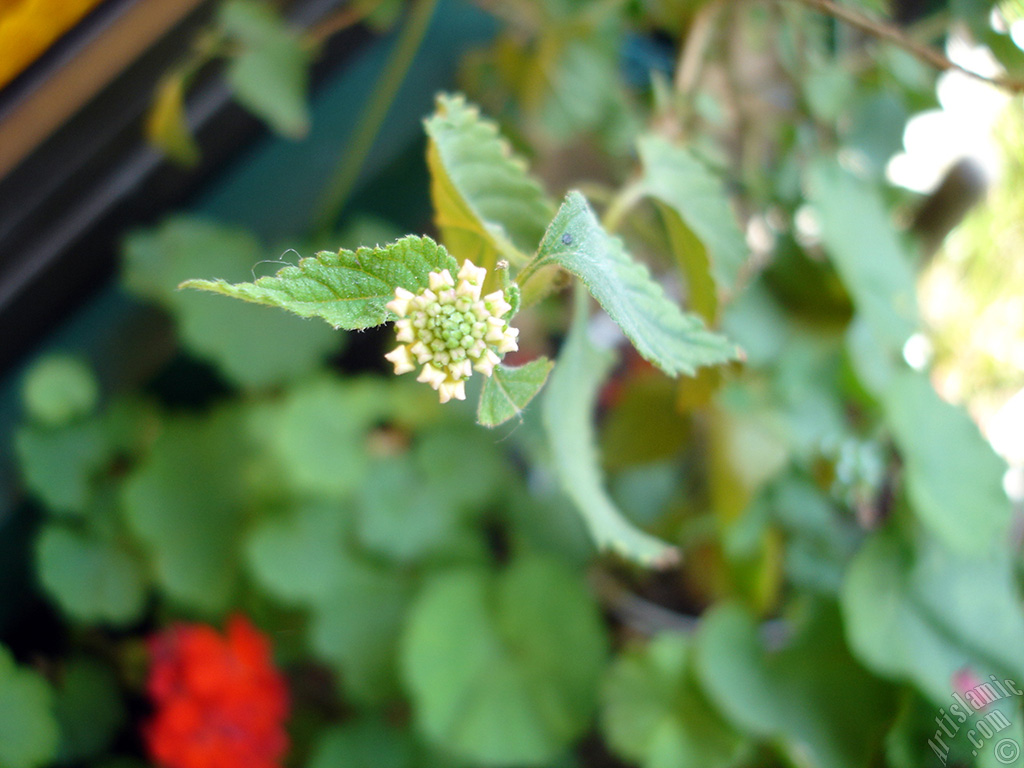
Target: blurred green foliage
{"points": [[836, 551]]}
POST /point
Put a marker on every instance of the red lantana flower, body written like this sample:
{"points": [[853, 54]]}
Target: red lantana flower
{"points": [[220, 702]]}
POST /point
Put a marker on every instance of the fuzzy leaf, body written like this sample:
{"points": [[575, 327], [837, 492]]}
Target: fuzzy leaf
{"points": [[486, 203], [674, 341], [347, 289], [567, 409], [508, 391]]}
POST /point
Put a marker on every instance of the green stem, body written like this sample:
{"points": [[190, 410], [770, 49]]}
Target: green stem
{"points": [[342, 182], [627, 197]]}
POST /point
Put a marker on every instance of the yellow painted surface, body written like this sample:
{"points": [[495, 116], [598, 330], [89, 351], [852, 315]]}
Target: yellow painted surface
{"points": [[29, 27]]}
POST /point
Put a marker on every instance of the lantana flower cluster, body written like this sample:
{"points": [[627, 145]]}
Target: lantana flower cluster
{"points": [[219, 701], [451, 331]]}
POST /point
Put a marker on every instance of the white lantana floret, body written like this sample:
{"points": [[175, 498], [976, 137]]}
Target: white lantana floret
{"points": [[451, 331]]}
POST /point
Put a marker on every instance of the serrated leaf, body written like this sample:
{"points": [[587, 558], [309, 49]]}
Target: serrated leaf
{"points": [[167, 124], [694, 203], [90, 579], [510, 389], [486, 205], [270, 75], [660, 331], [567, 410], [347, 289], [28, 730], [504, 669]]}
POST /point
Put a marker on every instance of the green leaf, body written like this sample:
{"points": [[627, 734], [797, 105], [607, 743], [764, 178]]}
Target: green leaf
{"points": [[509, 389], [92, 580], [357, 629], [28, 730], [920, 613], [580, 76], [567, 411], [953, 477], [486, 205], [59, 389], [503, 670], [829, 88], [249, 345], [862, 243], [805, 695], [656, 714], [59, 465], [297, 556], [695, 204], [347, 289], [270, 75], [167, 122], [398, 515], [365, 743], [184, 501], [442, 454], [319, 432], [664, 335], [88, 709]]}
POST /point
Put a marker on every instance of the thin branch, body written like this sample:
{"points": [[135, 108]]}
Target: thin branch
{"points": [[896, 36], [345, 176], [340, 20], [691, 56]]}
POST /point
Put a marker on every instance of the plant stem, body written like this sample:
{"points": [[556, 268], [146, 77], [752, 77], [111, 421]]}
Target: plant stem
{"points": [[694, 49], [342, 19], [627, 197], [342, 182], [896, 36]]}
